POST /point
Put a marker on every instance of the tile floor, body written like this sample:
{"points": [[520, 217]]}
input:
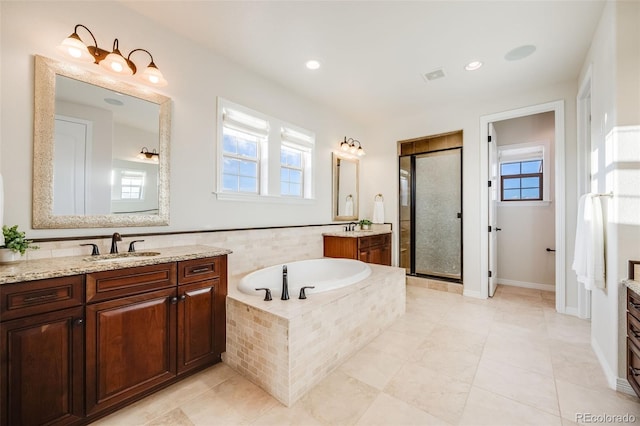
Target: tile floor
{"points": [[450, 360]]}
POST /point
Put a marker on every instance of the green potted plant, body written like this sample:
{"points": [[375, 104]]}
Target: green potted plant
{"points": [[365, 224], [15, 244]]}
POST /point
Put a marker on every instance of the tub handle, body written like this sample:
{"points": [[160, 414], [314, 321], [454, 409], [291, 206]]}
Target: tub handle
{"points": [[267, 294], [303, 295]]}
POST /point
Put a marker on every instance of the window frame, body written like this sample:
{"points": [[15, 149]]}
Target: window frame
{"points": [[278, 134], [521, 176], [523, 152]]}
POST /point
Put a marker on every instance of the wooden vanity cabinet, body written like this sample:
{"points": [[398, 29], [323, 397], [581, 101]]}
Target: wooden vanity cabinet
{"points": [[42, 352], [201, 319], [369, 249], [633, 340], [131, 333]]}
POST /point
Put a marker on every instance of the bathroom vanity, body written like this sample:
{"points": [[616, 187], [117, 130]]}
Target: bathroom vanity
{"points": [[633, 334], [83, 338], [367, 246]]}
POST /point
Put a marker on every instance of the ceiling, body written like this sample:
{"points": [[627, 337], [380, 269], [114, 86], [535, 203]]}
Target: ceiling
{"points": [[374, 54]]}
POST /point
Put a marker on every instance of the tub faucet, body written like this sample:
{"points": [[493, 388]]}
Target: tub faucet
{"points": [[285, 284], [114, 242]]}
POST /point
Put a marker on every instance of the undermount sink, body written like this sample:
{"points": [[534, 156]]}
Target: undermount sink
{"points": [[121, 257]]}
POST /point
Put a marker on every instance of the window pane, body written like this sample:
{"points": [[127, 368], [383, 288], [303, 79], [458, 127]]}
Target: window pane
{"points": [[510, 169], [248, 184], [248, 168], [531, 182], [531, 193], [230, 183], [284, 188], [229, 144], [511, 183], [231, 166], [248, 148], [532, 166], [511, 194], [291, 157], [295, 176], [295, 189], [284, 174]]}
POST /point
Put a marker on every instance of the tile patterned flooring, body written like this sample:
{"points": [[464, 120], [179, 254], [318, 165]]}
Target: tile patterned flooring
{"points": [[450, 360]]}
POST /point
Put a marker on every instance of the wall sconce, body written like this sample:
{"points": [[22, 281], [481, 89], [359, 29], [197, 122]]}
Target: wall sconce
{"points": [[349, 145], [113, 61], [145, 154]]}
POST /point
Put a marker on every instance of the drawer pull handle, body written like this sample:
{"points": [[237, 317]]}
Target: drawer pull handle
{"points": [[199, 270], [38, 298], [173, 300], [182, 298], [634, 371], [79, 321]]}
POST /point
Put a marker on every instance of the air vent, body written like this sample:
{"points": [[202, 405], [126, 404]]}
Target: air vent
{"points": [[434, 75]]}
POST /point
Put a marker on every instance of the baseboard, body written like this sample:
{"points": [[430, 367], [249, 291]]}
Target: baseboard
{"points": [[472, 293], [524, 284], [622, 385], [608, 373]]}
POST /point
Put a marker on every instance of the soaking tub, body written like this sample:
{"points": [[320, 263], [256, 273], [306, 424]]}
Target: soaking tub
{"points": [[324, 274]]}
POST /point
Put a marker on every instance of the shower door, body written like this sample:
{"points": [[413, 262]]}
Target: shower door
{"points": [[434, 237]]}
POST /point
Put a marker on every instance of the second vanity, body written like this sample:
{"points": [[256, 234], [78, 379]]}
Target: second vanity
{"points": [[83, 337], [367, 246]]}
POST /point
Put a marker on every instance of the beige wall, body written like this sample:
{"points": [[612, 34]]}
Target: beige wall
{"points": [[196, 78], [527, 228]]}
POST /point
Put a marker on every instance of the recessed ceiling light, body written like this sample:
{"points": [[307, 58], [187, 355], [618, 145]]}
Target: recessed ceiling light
{"points": [[520, 52], [472, 66], [313, 64]]}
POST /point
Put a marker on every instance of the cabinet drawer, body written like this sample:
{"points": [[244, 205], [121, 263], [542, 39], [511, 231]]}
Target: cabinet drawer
{"points": [[633, 304], [128, 281], [633, 366], [190, 271], [35, 297], [633, 329], [374, 240]]}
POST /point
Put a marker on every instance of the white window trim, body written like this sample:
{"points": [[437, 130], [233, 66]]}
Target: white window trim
{"points": [[269, 160], [528, 152]]}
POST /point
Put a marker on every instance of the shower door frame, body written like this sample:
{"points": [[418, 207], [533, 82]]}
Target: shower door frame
{"points": [[412, 209]]}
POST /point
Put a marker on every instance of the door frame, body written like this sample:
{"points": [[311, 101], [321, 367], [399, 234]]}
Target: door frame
{"points": [[559, 197]]}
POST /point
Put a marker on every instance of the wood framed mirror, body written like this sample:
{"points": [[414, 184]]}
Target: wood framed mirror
{"points": [[345, 187]]}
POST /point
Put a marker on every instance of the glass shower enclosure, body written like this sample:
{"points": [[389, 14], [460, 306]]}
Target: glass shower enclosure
{"points": [[431, 214]]}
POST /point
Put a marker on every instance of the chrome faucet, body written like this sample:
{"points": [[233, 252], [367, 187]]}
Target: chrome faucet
{"points": [[285, 284], [114, 242]]}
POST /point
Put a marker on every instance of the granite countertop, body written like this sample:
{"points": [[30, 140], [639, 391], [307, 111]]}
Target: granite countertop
{"points": [[356, 234], [30, 270], [633, 286]]}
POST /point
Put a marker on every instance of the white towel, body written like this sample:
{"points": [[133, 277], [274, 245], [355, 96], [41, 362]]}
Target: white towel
{"points": [[378, 212], [588, 257], [348, 207]]}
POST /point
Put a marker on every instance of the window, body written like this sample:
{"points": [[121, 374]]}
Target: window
{"points": [[128, 184], [521, 180], [261, 156], [524, 173]]}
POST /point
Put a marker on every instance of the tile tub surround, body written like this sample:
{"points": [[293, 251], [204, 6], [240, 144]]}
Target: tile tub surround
{"points": [[38, 269], [287, 347]]}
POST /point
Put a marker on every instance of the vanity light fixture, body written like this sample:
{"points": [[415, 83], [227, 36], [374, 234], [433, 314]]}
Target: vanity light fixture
{"points": [[349, 145], [113, 61], [145, 154]]}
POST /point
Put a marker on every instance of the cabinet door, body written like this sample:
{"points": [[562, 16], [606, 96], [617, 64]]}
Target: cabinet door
{"points": [[42, 369], [131, 347], [197, 318]]}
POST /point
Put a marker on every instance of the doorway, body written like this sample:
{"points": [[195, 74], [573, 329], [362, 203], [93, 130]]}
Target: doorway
{"points": [[431, 207], [557, 108]]}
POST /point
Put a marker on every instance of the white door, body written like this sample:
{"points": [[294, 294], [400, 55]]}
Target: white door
{"points": [[69, 164], [494, 196]]}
